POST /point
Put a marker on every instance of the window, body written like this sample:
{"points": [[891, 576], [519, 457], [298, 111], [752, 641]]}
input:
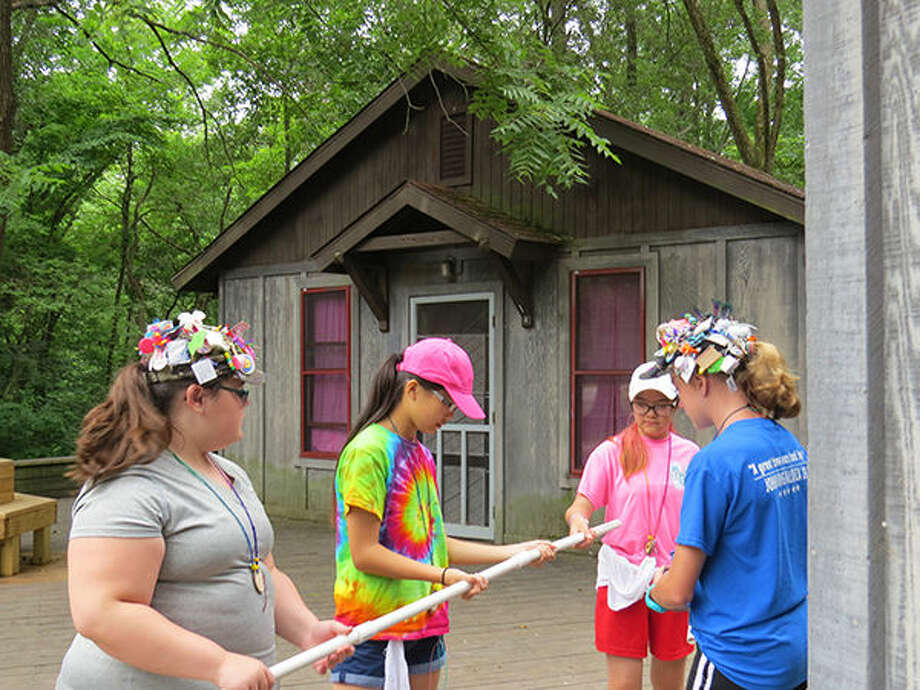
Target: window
{"points": [[607, 343], [325, 371]]}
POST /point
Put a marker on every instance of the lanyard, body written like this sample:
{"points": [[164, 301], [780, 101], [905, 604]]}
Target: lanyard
{"points": [[258, 578], [650, 542]]}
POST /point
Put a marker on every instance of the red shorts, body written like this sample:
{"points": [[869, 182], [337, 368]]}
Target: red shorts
{"points": [[632, 631]]}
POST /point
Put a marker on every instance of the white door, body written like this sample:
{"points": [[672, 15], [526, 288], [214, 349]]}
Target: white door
{"points": [[464, 448]]}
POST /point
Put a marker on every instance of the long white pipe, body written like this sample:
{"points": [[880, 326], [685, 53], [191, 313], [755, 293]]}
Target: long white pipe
{"points": [[365, 631]]}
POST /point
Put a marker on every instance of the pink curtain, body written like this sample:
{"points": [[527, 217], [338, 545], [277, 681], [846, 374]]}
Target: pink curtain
{"points": [[601, 410], [608, 337], [326, 395], [609, 328]]}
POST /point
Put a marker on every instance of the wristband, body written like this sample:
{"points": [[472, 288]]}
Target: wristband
{"points": [[651, 603], [443, 573]]}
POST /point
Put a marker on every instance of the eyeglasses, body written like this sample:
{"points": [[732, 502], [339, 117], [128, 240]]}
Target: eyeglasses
{"points": [[241, 393], [446, 401], [657, 408]]}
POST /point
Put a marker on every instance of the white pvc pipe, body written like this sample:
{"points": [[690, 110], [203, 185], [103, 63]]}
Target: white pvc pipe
{"points": [[365, 631]]}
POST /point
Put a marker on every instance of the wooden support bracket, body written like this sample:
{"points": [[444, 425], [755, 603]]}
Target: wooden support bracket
{"points": [[371, 282], [521, 293]]}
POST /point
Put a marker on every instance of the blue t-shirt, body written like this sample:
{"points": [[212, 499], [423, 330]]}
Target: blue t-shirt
{"points": [[745, 505]]}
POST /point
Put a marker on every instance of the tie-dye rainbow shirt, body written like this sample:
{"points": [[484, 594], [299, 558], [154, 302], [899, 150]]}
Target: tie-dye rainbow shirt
{"points": [[394, 479]]}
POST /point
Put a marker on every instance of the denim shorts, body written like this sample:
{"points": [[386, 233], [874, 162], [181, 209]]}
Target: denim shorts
{"points": [[365, 666]]}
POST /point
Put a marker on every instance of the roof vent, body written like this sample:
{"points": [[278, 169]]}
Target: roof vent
{"points": [[456, 149]]}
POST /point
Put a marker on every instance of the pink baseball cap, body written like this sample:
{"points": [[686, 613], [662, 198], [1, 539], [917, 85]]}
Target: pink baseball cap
{"points": [[442, 361]]}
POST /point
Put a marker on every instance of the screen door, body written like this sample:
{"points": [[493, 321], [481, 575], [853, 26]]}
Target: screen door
{"points": [[464, 448]]}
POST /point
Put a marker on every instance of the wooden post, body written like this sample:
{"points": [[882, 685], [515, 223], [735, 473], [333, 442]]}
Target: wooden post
{"points": [[862, 234], [41, 545], [7, 469], [9, 556]]}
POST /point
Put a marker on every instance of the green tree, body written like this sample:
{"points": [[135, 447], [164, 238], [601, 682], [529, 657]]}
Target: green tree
{"points": [[132, 133]]}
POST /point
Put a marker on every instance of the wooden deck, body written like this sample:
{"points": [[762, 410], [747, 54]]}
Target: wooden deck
{"points": [[531, 629]]}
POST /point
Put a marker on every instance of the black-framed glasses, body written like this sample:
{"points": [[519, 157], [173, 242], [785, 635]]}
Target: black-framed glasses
{"points": [[241, 393], [657, 408], [445, 400]]}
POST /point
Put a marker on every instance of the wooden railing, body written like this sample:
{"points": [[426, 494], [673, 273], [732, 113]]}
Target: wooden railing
{"points": [[45, 476]]}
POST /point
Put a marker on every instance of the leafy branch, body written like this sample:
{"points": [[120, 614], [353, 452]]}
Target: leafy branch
{"points": [[96, 45], [542, 123]]}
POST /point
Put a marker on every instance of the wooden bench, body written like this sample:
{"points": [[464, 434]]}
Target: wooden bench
{"points": [[21, 513]]}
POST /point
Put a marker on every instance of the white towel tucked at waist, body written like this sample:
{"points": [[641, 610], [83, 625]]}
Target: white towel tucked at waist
{"points": [[626, 583], [395, 668]]}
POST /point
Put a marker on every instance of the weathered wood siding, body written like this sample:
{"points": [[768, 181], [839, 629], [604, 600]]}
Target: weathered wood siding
{"points": [[635, 197], [760, 268], [243, 300], [862, 173]]}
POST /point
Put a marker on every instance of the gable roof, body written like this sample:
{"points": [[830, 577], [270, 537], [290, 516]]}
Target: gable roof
{"points": [[736, 179], [470, 220]]}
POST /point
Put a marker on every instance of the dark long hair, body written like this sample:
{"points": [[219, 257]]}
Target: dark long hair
{"points": [[386, 393], [387, 389]]}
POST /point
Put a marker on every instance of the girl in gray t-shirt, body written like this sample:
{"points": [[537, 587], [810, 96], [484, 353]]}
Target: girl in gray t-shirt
{"points": [[170, 571]]}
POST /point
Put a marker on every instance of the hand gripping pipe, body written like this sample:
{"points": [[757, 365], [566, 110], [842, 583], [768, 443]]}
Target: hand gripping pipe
{"points": [[365, 631]]}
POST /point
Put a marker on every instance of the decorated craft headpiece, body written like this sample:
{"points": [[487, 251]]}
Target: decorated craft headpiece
{"points": [[712, 343], [191, 349]]}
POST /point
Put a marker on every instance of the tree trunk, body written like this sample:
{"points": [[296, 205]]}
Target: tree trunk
{"points": [[6, 76], [552, 31], [779, 80], [763, 55], [7, 102], [632, 48], [723, 88], [125, 255]]}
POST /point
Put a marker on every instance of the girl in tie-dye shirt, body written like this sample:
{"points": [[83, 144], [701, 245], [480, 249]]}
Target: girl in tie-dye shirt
{"points": [[391, 547]]}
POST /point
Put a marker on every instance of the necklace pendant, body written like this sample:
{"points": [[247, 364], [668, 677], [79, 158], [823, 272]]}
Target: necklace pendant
{"points": [[258, 577], [650, 545]]}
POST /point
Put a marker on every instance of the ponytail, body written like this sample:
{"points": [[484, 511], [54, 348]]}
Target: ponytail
{"points": [[768, 383], [386, 392], [130, 427]]}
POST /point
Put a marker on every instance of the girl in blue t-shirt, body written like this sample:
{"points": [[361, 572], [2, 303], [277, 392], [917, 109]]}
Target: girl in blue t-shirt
{"points": [[740, 562]]}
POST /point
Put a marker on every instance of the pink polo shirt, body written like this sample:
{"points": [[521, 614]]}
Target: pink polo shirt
{"points": [[634, 501]]}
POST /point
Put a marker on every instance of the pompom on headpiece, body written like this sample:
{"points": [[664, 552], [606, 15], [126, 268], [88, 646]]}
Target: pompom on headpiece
{"points": [[191, 349], [714, 343]]}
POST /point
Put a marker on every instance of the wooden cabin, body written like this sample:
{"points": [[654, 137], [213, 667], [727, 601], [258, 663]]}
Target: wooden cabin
{"points": [[406, 223]]}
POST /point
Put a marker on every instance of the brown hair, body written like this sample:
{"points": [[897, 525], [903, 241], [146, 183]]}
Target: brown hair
{"points": [[768, 383], [131, 426]]}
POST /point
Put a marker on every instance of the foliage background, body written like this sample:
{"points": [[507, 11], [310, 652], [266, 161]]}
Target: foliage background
{"points": [[132, 133]]}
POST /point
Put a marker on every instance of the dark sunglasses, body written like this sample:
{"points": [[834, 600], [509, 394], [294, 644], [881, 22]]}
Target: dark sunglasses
{"points": [[241, 393]]}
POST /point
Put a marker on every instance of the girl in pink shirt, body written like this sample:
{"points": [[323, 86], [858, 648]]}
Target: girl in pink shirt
{"points": [[638, 477]]}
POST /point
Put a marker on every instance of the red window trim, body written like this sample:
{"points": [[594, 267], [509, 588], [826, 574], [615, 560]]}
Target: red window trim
{"points": [[305, 372], [573, 349]]}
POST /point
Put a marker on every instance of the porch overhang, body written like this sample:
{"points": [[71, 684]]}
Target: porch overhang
{"points": [[454, 220]]}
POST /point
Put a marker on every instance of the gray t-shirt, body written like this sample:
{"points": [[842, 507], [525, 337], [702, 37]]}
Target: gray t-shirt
{"points": [[205, 583]]}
